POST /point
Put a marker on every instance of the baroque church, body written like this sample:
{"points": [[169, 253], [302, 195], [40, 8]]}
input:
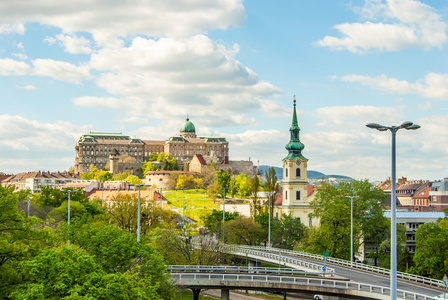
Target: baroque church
{"points": [[296, 193]]}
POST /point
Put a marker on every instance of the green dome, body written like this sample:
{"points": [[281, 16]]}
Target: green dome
{"points": [[187, 126]]}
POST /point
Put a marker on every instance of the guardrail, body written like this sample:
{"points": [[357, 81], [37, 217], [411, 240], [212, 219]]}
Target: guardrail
{"points": [[239, 269], [346, 285], [402, 275], [279, 258]]}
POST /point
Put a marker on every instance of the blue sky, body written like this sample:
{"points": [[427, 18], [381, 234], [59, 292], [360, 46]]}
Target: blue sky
{"points": [[139, 67]]}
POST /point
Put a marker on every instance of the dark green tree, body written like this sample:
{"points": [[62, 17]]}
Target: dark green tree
{"points": [[271, 186]]}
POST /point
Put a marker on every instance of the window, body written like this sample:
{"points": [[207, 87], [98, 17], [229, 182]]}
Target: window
{"points": [[286, 174], [297, 195], [286, 195], [298, 172]]}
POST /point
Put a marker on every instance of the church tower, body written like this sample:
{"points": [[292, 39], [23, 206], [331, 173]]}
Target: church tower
{"points": [[297, 194], [295, 180]]}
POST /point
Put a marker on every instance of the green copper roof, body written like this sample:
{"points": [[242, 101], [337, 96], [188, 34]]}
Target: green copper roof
{"points": [[187, 126], [294, 146]]}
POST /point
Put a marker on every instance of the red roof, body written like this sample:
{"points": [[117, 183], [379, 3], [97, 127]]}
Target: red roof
{"points": [[201, 159]]}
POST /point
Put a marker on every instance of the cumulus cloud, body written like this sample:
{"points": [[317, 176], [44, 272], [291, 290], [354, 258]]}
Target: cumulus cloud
{"points": [[72, 44], [12, 28], [407, 24], [191, 74], [433, 86], [46, 67], [107, 20], [27, 87], [43, 145]]}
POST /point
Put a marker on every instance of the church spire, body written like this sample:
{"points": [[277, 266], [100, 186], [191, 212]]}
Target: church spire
{"points": [[294, 146]]}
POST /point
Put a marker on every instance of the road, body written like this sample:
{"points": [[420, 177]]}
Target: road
{"points": [[361, 276]]}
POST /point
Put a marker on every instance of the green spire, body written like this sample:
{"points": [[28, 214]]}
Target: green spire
{"points": [[294, 146]]}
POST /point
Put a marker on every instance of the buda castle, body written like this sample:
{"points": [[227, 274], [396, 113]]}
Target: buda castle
{"points": [[97, 148]]}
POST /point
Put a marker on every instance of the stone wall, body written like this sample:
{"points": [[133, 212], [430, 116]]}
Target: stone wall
{"points": [[238, 167]]}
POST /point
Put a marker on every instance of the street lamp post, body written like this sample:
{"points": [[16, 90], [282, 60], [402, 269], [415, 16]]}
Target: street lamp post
{"points": [[138, 216], [223, 212], [269, 221], [183, 213], [351, 227], [393, 251], [161, 205]]}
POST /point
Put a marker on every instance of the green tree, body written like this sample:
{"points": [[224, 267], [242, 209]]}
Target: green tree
{"points": [[223, 180], [271, 186], [243, 231], [122, 176], [233, 187], [153, 156], [104, 176], [431, 255], [367, 209], [73, 274], [254, 187], [133, 179], [242, 181], [213, 220], [19, 239], [185, 181], [148, 167], [93, 170]]}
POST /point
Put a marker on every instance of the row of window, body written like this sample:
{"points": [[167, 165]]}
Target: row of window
{"points": [[297, 172], [297, 195]]}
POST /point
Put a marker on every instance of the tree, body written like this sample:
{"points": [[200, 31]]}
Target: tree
{"points": [[431, 255], [367, 209], [93, 170], [243, 231], [242, 181], [333, 235], [74, 274], [19, 239], [233, 187], [133, 179], [213, 220], [254, 187], [122, 176], [223, 180], [148, 167], [185, 181], [271, 186], [176, 250], [123, 211], [212, 191], [104, 176]]}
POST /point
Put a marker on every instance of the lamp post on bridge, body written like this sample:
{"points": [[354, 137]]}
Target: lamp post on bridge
{"points": [[393, 251], [68, 218], [223, 212], [138, 217]]}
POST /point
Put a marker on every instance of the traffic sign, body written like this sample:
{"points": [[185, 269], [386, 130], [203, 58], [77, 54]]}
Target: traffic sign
{"points": [[324, 268], [325, 258], [325, 253]]}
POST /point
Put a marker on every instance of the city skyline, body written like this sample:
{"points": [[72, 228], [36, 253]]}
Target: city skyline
{"points": [[140, 67]]}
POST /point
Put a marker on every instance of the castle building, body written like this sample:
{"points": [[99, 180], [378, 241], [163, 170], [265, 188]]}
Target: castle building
{"points": [[96, 148], [296, 191]]}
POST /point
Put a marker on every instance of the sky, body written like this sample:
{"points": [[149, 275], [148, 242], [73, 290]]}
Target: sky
{"points": [[139, 67]]}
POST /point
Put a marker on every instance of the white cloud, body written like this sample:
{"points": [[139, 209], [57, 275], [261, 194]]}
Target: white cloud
{"points": [[72, 44], [273, 109], [409, 24], [61, 70], [107, 20], [190, 74], [12, 28], [9, 66], [20, 55], [433, 86], [27, 87]]}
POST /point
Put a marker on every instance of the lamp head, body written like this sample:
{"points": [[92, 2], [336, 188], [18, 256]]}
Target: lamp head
{"points": [[406, 124], [376, 126], [413, 127]]}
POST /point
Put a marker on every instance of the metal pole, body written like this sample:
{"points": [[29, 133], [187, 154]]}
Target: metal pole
{"points": [[161, 205], [138, 216], [269, 222], [351, 231], [393, 227], [102, 193], [223, 213], [68, 240], [29, 206], [183, 214]]}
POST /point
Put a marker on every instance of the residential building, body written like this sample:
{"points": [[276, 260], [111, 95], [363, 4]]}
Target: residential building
{"points": [[34, 181]]}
